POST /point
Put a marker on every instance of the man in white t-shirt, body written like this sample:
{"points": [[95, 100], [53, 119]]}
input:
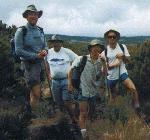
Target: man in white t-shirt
{"points": [[116, 56], [59, 60]]}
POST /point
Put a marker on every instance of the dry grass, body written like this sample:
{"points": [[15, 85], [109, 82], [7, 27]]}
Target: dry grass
{"points": [[134, 129]]}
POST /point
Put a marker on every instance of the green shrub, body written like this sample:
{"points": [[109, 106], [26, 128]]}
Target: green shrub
{"points": [[119, 110]]}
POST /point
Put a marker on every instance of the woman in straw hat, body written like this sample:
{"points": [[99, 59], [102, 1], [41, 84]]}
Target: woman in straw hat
{"points": [[117, 55]]}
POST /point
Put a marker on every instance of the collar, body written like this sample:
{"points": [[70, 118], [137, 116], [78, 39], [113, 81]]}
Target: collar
{"points": [[89, 59], [115, 46], [59, 50], [30, 26]]}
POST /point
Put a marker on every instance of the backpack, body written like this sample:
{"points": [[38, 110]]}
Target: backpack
{"points": [[76, 73], [12, 43]]}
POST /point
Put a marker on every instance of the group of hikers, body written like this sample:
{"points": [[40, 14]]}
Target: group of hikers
{"points": [[59, 62]]}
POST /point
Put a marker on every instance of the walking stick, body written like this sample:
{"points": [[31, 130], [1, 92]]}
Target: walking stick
{"points": [[49, 85], [108, 92]]}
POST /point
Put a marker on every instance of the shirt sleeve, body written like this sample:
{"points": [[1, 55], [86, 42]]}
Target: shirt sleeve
{"points": [[19, 46], [126, 52], [76, 62], [71, 54]]}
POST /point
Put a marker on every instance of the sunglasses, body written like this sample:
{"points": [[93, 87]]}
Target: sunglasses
{"points": [[112, 37]]}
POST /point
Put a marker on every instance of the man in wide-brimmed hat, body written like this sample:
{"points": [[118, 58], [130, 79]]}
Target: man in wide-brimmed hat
{"points": [[59, 60], [32, 8], [31, 46], [90, 82], [117, 55]]}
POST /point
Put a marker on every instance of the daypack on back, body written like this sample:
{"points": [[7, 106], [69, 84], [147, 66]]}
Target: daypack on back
{"points": [[12, 43], [76, 73]]}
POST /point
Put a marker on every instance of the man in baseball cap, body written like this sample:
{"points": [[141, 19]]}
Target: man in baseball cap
{"points": [[90, 82]]}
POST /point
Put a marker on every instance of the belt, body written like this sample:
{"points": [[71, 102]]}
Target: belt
{"points": [[58, 79], [32, 61]]}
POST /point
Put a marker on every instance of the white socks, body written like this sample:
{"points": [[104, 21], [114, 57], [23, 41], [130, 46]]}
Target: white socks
{"points": [[83, 132]]}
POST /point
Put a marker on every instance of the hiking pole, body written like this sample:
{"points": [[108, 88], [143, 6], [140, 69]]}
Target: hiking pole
{"points": [[49, 84], [108, 92]]}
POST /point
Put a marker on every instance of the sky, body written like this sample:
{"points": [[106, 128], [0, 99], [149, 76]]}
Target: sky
{"points": [[83, 17]]}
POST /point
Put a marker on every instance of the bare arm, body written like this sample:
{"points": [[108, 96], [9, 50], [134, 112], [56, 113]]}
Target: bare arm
{"points": [[70, 86], [116, 63], [47, 68], [126, 59]]}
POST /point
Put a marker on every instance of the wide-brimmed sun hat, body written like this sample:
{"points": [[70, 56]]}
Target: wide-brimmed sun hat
{"points": [[114, 31], [32, 8]]}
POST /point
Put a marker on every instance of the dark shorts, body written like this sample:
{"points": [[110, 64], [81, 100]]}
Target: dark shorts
{"points": [[32, 72], [113, 83], [83, 98]]}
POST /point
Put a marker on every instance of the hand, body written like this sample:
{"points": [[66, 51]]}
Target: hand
{"points": [[40, 55], [120, 56], [43, 52], [109, 67], [104, 70], [102, 57]]}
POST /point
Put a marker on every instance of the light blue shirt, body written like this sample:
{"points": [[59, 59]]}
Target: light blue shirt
{"points": [[34, 42]]}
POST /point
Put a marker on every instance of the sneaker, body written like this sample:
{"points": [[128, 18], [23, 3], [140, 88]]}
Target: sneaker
{"points": [[84, 134]]}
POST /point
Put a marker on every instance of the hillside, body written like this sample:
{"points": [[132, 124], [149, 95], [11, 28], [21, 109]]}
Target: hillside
{"points": [[125, 40]]}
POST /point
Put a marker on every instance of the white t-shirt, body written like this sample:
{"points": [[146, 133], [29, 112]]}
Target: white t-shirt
{"points": [[59, 62], [113, 73]]}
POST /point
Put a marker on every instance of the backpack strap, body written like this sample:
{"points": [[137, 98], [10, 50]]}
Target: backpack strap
{"points": [[42, 32], [24, 31], [41, 29], [83, 63], [106, 54], [105, 51], [122, 48]]}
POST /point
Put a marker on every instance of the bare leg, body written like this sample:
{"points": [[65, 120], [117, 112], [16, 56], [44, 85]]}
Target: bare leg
{"points": [[70, 108], [35, 96], [83, 114], [33, 101], [131, 87], [114, 93]]}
